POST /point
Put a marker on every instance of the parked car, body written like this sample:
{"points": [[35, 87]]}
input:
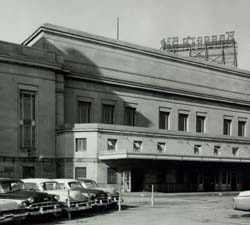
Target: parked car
{"points": [[71, 201], [28, 202], [99, 198], [12, 210], [113, 195], [242, 201]]}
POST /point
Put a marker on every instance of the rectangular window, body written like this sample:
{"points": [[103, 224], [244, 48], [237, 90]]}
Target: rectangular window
{"points": [[112, 144], [80, 172], [27, 120], [227, 127], [182, 122], [107, 114], [161, 147], [84, 112], [241, 128], [137, 146], [130, 116], [112, 178], [200, 124], [163, 120], [81, 144], [28, 172]]}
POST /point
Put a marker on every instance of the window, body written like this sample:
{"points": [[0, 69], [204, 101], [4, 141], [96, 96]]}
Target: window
{"points": [[200, 124], [241, 128], [111, 144], [161, 147], [224, 177], [28, 172], [216, 150], [27, 120], [111, 176], [197, 149], [108, 114], [81, 144], [227, 127], [137, 146], [84, 112], [235, 151], [164, 120], [80, 172], [130, 116], [182, 126]]}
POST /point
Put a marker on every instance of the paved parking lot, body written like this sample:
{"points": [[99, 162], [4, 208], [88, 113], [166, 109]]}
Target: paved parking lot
{"points": [[168, 210]]}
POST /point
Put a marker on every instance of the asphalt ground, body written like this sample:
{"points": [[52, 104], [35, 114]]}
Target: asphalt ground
{"points": [[179, 209]]}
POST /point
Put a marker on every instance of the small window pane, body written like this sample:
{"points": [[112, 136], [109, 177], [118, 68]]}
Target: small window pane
{"points": [[81, 144], [161, 147], [112, 177], [182, 122], [241, 128], [130, 116], [137, 146], [111, 144], [84, 112], [227, 127], [163, 120], [80, 172], [108, 113], [200, 124]]}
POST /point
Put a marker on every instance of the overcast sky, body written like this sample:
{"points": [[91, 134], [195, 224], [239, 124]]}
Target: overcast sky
{"points": [[143, 22]]}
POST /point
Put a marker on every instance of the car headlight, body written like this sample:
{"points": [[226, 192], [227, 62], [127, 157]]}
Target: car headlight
{"points": [[30, 200], [23, 204], [57, 197]]}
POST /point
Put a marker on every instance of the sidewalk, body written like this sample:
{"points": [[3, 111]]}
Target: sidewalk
{"points": [[186, 194]]}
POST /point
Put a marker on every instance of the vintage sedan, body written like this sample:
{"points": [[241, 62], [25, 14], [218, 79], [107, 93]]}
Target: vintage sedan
{"points": [[27, 202], [71, 201], [12, 210], [242, 201], [113, 195], [98, 197]]}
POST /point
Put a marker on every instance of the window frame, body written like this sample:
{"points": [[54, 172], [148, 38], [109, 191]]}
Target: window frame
{"points": [[76, 145]]}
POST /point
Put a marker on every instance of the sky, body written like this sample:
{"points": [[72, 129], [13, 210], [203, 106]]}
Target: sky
{"points": [[143, 22]]}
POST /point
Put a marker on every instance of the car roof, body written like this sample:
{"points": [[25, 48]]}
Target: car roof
{"points": [[65, 180], [9, 179], [37, 180]]}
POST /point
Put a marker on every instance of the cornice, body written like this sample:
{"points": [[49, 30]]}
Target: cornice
{"points": [[70, 33], [154, 133], [167, 90], [28, 62]]}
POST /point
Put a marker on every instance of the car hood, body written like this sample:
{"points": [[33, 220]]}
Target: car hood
{"points": [[108, 190], [23, 195], [9, 204]]}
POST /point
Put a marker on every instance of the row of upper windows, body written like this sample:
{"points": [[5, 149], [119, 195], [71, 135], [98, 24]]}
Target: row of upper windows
{"points": [[112, 145], [84, 113]]}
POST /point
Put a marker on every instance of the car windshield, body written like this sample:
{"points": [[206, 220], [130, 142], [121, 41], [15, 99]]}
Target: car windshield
{"points": [[75, 185], [90, 183], [50, 186], [31, 186], [10, 186]]}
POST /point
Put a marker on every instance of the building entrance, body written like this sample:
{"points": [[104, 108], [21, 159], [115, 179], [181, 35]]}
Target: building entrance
{"points": [[137, 177]]}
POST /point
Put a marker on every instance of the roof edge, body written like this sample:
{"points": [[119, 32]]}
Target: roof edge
{"points": [[51, 28]]}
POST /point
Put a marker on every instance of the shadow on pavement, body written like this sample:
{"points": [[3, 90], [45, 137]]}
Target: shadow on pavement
{"points": [[240, 216]]}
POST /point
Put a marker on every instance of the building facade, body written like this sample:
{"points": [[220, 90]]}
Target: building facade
{"points": [[81, 105]]}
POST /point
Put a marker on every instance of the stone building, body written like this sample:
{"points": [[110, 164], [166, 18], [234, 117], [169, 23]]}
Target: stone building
{"points": [[78, 105]]}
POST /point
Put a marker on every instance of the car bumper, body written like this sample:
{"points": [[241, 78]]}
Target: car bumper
{"points": [[78, 206], [43, 209], [8, 217]]}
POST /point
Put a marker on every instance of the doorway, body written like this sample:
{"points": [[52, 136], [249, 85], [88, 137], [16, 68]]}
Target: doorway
{"points": [[137, 177]]}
